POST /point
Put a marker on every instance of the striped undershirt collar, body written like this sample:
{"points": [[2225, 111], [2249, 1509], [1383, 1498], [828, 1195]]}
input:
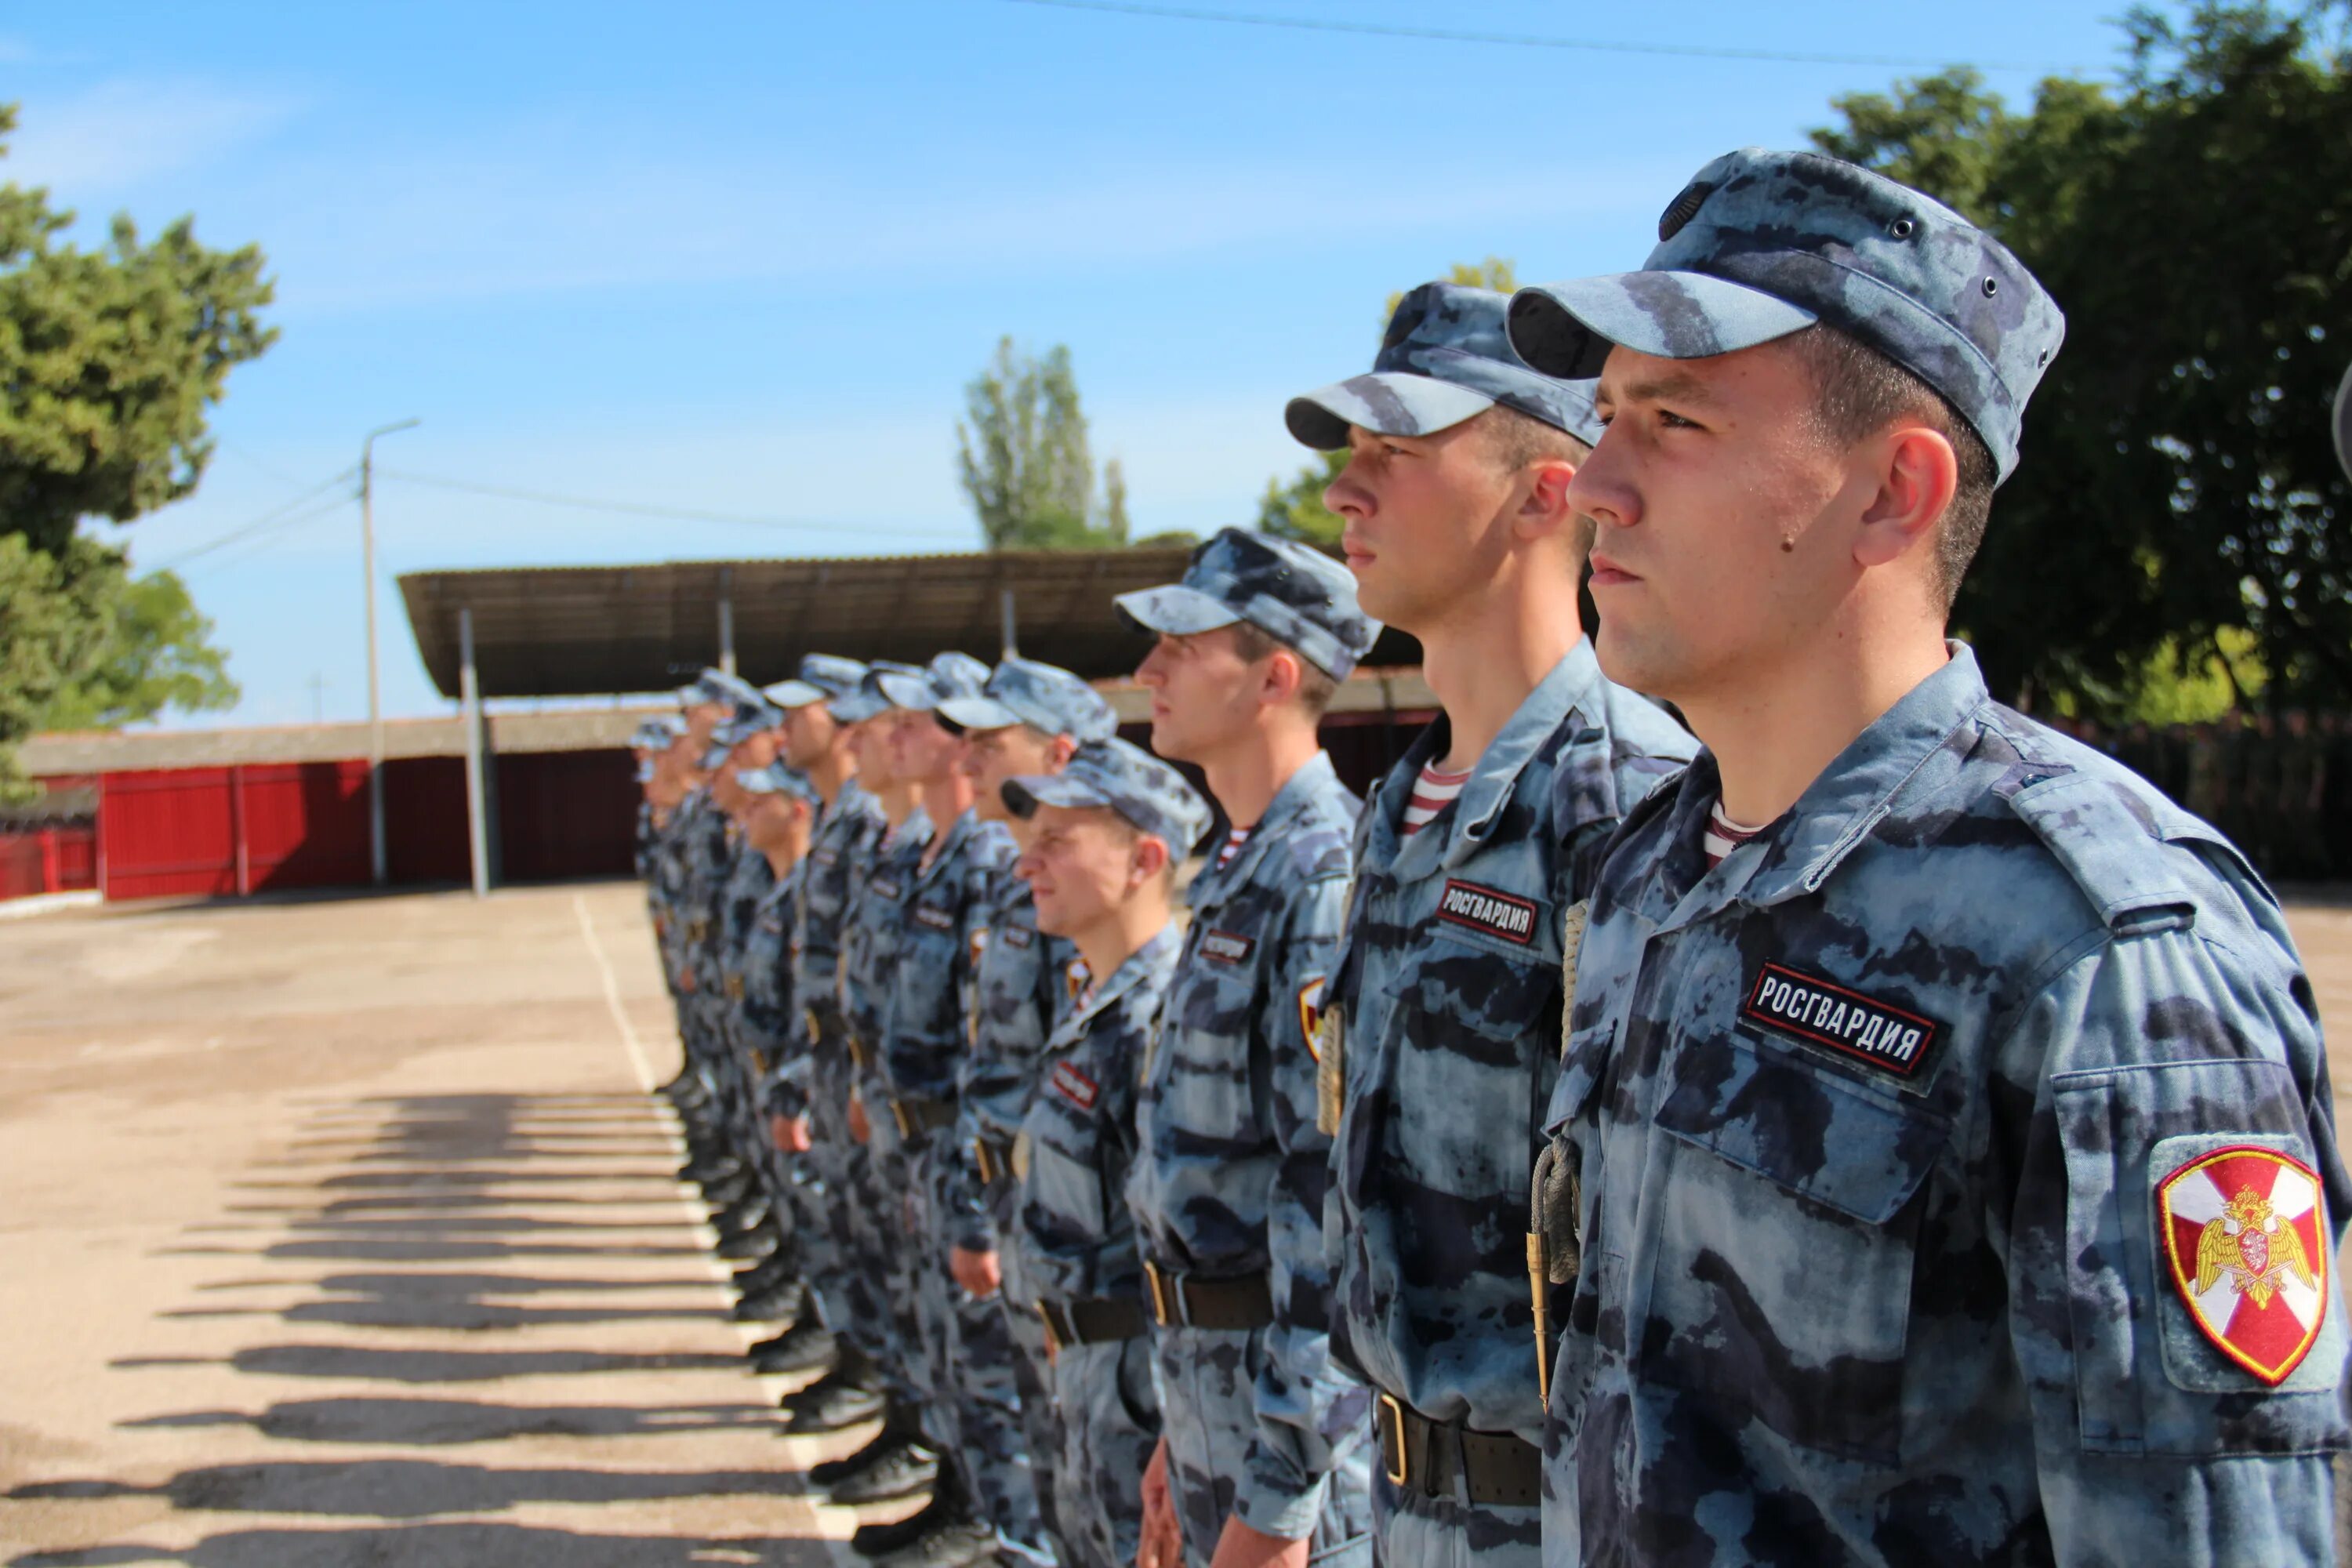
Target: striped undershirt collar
{"points": [[1433, 791]]}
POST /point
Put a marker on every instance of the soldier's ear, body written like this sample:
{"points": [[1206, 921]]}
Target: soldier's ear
{"points": [[1918, 474], [1285, 674], [1544, 511], [1149, 858]]}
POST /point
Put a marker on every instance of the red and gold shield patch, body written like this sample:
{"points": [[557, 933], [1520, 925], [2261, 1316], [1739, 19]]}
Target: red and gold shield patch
{"points": [[2246, 1238]]}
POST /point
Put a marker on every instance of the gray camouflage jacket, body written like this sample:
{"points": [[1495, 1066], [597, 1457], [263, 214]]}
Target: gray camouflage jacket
{"points": [[820, 905], [925, 1020], [1960, 1182], [1077, 1239], [1448, 1011], [1231, 1171]]}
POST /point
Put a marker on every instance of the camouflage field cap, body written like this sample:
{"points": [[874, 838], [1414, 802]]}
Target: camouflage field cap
{"points": [[948, 674], [776, 778], [1150, 794], [867, 701], [1760, 244], [1445, 358], [1045, 697], [657, 735], [822, 677], [1292, 591], [750, 719], [717, 686]]}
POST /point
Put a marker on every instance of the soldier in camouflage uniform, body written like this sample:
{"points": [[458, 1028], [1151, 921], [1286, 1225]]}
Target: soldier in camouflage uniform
{"points": [[778, 811], [1944, 1165], [1108, 830], [804, 1118], [1267, 1444], [747, 1221], [1441, 1018], [872, 1210], [704, 705], [924, 1036], [1029, 721]]}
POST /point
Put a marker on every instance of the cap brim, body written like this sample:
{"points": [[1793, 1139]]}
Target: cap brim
{"points": [[977, 713], [856, 707], [1386, 403], [795, 694], [1567, 330], [714, 758], [1175, 609], [910, 692], [1024, 795]]}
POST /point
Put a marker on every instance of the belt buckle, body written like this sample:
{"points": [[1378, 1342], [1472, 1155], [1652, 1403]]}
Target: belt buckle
{"points": [[1163, 1293], [1053, 1334], [1388, 1411]]}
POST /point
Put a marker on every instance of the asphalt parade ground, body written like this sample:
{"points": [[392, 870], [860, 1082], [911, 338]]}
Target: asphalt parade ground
{"points": [[343, 1231]]}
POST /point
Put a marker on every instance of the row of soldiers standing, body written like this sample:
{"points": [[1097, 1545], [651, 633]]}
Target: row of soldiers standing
{"points": [[1889, 1133]]}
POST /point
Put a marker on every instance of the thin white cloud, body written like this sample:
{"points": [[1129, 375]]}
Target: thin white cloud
{"points": [[112, 138]]}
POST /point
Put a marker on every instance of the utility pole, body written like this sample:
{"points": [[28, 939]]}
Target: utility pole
{"points": [[317, 698], [376, 692]]}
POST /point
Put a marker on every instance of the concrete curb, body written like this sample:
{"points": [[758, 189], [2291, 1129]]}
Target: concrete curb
{"points": [[48, 903]]}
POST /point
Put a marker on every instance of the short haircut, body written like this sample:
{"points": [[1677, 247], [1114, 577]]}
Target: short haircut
{"points": [[1517, 439], [1859, 392], [1317, 689]]}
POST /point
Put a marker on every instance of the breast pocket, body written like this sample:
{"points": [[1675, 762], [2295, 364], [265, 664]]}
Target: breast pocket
{"points": [[2200, 1261], [1201, 1058], [1783, 1244], [1475, 1053]]}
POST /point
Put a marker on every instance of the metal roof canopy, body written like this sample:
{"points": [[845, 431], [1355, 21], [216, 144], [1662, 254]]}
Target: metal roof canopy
{"points": [[581, 630]]}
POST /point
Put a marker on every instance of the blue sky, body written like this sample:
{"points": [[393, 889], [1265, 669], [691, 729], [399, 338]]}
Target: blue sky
{"points": [[742, 259]]}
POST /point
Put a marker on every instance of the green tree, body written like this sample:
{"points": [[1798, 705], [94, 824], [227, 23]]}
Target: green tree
{"points": [[1293, 508], [159, 654], [1022, 456], [2178, 512], [110, 359]]}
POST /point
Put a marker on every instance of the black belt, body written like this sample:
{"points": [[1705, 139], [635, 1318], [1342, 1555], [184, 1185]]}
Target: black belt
{"points": [[919, 1114], [994, 1159], [1184, 1300], [1097, 1321], [1502, 1469]]}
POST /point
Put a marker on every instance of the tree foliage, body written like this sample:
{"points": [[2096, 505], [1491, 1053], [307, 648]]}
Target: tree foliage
{"points": [[158, 655], [1293, 508], [2178, 517], [1022, 456], [110, 359]]}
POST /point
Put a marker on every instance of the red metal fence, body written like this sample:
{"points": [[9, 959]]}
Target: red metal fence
{"points": [[260, 827], [48, 860]]}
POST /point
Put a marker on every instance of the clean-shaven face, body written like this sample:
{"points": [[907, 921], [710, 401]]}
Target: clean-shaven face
{"points": [[1428, 521], [1080, 867], [809, 732], [869, 742], [1706, 468], [992, 756], [920, 750], [1204, 692]]}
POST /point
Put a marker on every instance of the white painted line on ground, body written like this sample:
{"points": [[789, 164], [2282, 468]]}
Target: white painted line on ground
{"points": [[612, 996]]}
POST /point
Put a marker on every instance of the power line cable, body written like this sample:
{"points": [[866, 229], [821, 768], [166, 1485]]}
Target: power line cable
{"points": [[1522, 40], [640, 509], [246, 531], [261, 543]]}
